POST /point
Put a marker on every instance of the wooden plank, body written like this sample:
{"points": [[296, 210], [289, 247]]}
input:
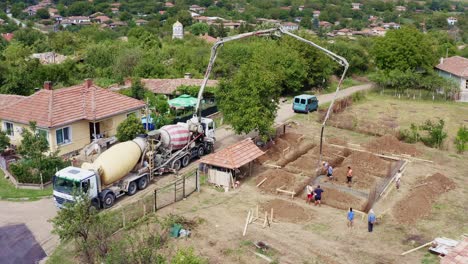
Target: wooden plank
{"points": [[272, 166], [266, 220], [263, 256], [246, 223], [261, 182], [284, 191], [271, 214], [414, 249]]}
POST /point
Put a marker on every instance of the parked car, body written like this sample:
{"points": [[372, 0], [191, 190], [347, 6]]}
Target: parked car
{"points": [[305, 103]]}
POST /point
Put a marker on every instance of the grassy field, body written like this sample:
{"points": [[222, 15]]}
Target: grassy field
{"points": [[384, 111], [8, 191]]}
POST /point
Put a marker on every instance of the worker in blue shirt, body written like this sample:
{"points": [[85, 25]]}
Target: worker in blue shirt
{"points": [[350, 218], [330, 172], [371, 220]]}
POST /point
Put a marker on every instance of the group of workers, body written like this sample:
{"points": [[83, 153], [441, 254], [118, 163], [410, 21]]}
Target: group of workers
{"points": [[329, 172], [370, 219], [315, 194]]}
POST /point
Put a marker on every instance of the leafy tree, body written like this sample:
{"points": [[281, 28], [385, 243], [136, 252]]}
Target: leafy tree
{"points": [[199, 29], [4, 140], [33, 144], [404, 49], [249, 101], [129, 129], [137, 90], [42, 13], [435, 133]]}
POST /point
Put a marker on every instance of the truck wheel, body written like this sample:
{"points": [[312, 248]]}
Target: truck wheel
{"points": [[132, 188], [108, 200], [209, 148], [201, 151], [176, 165], [142, 183], [185, 160]]}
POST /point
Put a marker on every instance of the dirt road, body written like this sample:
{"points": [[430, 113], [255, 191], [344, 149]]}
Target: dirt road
{"points": [[35, 215]]}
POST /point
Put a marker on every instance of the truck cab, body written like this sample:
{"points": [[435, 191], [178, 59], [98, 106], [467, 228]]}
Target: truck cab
{"points": [[305, 103], [209, 127], [73, 179]]}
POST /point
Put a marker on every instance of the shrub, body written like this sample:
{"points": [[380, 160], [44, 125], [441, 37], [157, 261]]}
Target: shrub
{"points": [[186, 256], [410, 135], [461, 139], [435, 133], [129, 129]]}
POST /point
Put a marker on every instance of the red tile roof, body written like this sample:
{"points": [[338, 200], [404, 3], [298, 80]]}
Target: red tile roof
{"points": [[234, 156], [458, 255], [169, 86], [208, 38], [53, 108], [8, 99], [455, 65], [8, 36]]}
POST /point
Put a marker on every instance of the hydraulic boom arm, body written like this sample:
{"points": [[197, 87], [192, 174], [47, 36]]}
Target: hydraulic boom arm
{"points": [[279, 31]]}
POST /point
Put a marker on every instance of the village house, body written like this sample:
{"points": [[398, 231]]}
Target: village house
{"points": [[168, 87], [400, 8], [208, 38], [456, 69], [114, 10], [316, 14], [356, 6], [141, 22], [391, 25], [69, 117], [8, 36], [79, 20], [300, 8], [452, 20], [117, 24], [197, 9], [290, 26], [325, 24], [101, 19], [378, 31], [169, 4], [49, 57]]}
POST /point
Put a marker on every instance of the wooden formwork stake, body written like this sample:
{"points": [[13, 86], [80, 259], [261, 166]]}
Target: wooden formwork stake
{"points": [[260, 183], [271, 215], [123, 218], [246, 223], [256, 215], [144, 209], [265, 220]]}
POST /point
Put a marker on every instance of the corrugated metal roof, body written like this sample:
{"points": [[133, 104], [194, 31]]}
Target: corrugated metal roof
{"points": [[234, 156]]}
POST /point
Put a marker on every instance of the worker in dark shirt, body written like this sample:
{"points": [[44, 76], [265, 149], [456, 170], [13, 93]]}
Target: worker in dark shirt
{"points": [[318, 195]]}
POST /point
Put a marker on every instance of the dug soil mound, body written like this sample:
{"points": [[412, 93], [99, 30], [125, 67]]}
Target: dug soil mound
{"points": [[368, 162], [295, 152], [362, 178], [390, 144], [286, 211], [280, 144], [342, 200], [418, 203], [276, 178]]}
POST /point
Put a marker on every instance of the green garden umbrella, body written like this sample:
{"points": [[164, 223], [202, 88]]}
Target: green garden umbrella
{"points": [[183, 101]]}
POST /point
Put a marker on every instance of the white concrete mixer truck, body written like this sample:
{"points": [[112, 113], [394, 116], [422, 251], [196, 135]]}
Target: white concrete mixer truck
{"points": [[130, 166]]}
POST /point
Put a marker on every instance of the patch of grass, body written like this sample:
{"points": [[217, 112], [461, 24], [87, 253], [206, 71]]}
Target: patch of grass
{"points": [[439, 206], [8, 191], [63, 254], [317, 228], [430, 258], [347, 82]]}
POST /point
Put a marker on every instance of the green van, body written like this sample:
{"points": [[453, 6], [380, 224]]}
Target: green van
{"points": [[305, 103]]}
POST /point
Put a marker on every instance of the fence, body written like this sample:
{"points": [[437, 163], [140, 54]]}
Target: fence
{"points": [[18, 185], [173, 192]]}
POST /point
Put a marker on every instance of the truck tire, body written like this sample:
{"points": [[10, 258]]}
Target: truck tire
{"points": [[208, 149], [176, 164], [201, 151], [142, 183], [185, 160], [132, 188], [108, 200]]}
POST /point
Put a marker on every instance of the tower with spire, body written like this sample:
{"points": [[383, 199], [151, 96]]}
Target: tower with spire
{"points": [[178, 30]]}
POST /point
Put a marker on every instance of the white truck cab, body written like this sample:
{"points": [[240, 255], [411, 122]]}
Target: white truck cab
{"points": [[71, 179]]}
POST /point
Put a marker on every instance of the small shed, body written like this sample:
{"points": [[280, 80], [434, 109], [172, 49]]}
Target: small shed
{"points": [[221, 166]]}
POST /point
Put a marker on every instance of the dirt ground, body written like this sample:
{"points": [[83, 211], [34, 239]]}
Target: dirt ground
{"points": [[305, 233]]}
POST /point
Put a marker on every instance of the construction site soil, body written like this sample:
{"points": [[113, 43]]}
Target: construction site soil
{"points": [[418, 204], [342, 200], [286, 211], [390, 144], [276, 178]]}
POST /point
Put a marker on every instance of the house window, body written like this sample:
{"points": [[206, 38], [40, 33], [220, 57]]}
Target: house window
{"points": [[63, 135], [9, 128]]}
